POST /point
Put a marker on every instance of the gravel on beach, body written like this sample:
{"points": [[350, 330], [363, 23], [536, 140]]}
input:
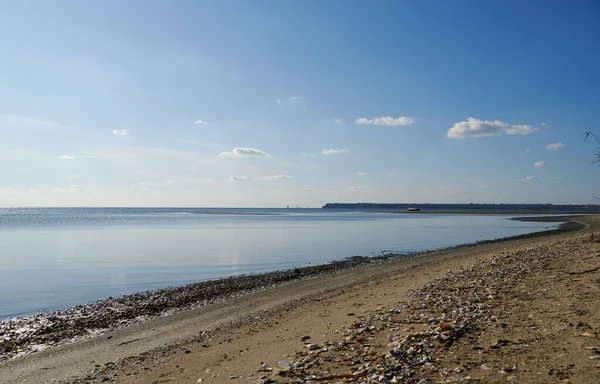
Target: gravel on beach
{"points": [[419, 341]]}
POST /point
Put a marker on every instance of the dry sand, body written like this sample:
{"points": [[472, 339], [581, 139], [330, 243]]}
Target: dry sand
{"points": [[545, 326]]}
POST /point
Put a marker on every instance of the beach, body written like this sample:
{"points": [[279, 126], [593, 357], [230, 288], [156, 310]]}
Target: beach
{"points": [[524, 310]]}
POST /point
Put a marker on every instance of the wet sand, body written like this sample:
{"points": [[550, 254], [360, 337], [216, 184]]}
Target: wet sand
{"points": [[257, 324]]}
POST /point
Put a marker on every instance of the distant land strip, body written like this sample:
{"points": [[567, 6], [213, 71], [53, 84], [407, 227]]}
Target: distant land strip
{"points": [[468, 208]]}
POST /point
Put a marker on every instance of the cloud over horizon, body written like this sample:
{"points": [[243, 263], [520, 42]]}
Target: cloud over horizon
{"points": [[386, 121], [475, 128], [121, 132], [67, 157], [555, 146], [200, 122], [528, 178], [242, 152], [334, 151], [277, 177], [240, 178]]}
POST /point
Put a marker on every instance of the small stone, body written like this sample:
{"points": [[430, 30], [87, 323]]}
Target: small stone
{"points": [[264, 368], [305, 337], [284, 366], [509, 368], [199, 380], [597, 357], [233, 377]]}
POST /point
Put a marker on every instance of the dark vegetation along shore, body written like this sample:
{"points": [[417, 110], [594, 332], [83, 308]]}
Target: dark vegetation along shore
{"points": [[20, 336]]}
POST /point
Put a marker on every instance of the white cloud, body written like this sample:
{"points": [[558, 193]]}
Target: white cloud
{"points": [[555, 146], [87, 157], [543, 124], [290, 99], [386, 120], [528, 178], [361, 173], [240, 178], [472, 128], [277, 177], [338, 121], [242, 152], [67, 157], [539, 164], [122, 132], [334, 151], [200, 122]]}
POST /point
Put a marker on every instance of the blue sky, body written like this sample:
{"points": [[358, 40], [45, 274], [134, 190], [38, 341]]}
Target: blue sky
{"points": [[275, 103]]}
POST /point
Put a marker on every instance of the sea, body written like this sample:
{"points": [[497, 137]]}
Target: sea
{"points": [[52, 258]]}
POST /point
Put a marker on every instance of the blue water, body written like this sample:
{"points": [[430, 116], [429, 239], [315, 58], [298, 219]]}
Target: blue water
{"points": [[53, 258]]}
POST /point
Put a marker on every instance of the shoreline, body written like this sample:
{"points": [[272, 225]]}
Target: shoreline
{"points": [[23, 335], [231, 337]]}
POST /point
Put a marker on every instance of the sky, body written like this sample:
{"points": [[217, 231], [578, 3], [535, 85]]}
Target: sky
{"points": [[276, 103]]}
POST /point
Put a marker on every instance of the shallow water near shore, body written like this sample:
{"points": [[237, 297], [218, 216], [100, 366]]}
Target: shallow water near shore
{"points": [[54, 258]]}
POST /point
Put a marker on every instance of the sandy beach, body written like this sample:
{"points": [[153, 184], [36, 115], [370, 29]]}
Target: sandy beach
{"points": [[522, 310]]}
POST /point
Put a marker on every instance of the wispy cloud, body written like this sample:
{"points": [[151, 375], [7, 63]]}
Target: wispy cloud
{"points": [[543, 124], [200, 122], [87, 157], [120, 132], [290, 99], [67, 157], [277, 177], [334, 151], [338, 121], [386, 121], [240, 178], [528, 178], [242, 152], [539, 164], [361, 174], [555, 146], [473, 128], [32, 121]]}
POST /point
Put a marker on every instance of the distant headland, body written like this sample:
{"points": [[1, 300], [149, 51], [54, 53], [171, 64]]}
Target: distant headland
{"points": [[467, 208]]}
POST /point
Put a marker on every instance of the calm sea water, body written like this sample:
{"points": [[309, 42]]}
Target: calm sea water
{"points": [[54, 258]]}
